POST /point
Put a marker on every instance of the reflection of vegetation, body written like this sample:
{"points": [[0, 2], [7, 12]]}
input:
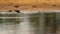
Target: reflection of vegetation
{"points": [[1, 15], [30, 15], [50, 23], [34, 22], [10, 20], [33, 19], [58, 18], [12, 15], [50, 19], [1, 20]]}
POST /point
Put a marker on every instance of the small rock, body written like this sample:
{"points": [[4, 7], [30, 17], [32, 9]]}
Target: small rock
{"points": [[16, 6], [10, 11], [54, 5], [17, 11], [34, 6]]}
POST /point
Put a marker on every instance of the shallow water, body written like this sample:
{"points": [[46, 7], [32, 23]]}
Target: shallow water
{"points": [[29, 23]]}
